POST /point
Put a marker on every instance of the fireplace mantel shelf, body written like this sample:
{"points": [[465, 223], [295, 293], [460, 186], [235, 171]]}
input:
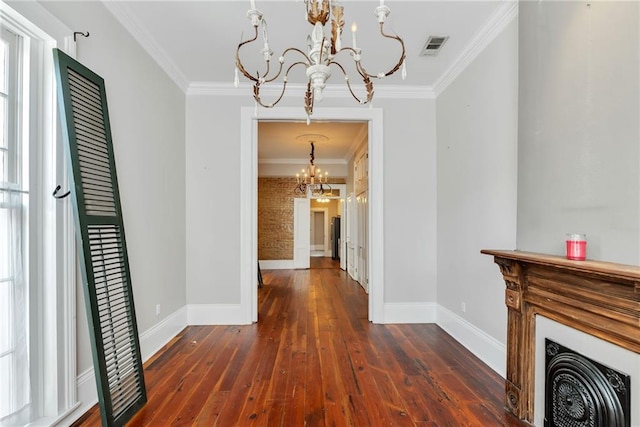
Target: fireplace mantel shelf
{"points": [[599, 298], [609, 269]]}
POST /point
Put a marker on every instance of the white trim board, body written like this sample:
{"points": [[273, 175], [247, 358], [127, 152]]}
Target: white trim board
{"points": [[151, 340], [156, 337], [276, 264], [122, 12], [496, 23], [488, 349]]}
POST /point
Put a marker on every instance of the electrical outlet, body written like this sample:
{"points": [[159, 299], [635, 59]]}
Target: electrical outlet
{"points": [[463, 307], [157, 309]]}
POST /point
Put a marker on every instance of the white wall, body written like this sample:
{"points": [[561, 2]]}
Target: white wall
{"points": [[578, 127], [147, 115], [410, 200], [213, 200], [477, 187], [213, 216], [579, 141]]}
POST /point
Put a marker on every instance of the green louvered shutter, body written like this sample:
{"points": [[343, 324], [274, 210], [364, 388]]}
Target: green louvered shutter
{"points": [[103, 252]]}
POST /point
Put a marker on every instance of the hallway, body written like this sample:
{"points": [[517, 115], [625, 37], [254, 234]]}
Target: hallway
{"points": [[314, 359]]}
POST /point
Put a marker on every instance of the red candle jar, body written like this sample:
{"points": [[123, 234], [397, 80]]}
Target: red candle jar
{"points": [[577, 247]]}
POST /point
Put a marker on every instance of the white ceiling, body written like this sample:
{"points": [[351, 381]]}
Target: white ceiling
{"points": [[281, 142], [195, 43]]}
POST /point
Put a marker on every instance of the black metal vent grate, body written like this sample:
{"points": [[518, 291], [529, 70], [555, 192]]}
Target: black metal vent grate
{"points": [[580, 392]]}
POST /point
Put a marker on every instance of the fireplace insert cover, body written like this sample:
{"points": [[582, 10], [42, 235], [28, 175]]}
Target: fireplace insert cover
{"points": [[580, 392]]}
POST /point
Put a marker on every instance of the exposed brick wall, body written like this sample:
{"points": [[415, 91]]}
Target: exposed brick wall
{"points": [[275, 217]]}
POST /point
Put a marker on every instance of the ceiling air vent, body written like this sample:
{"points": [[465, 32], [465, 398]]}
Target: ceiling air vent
{"points": [[433, 45]]}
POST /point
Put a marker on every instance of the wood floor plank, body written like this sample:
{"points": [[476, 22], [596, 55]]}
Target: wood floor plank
{"points": [[313, 359]]}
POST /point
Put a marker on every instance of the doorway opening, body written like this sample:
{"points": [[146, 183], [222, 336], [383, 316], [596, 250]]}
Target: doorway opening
{"points": [[319, 232], [249, 179]]}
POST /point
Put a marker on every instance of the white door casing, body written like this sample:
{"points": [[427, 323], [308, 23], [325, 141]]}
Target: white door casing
{"points": [[362, 251], [352, 237], [343, 233], [324, 246], [249, 199]]}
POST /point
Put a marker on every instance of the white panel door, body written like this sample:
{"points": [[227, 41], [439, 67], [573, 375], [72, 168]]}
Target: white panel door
{"points": [[363, 224], [301, 233]]}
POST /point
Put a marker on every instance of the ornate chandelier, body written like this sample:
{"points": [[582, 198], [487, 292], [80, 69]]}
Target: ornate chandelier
{"points": [[322, 53], [312, 182]]}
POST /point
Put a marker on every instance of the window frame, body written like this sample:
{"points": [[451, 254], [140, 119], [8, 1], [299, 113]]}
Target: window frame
{"points": [[16, 186], [52, 288]]}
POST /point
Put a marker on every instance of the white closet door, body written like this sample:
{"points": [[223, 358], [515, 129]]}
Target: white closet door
{"points": [[301, 233]]}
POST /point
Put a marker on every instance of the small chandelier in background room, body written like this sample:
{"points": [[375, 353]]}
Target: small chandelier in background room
{"points": [[313, 182], [322, 53]]}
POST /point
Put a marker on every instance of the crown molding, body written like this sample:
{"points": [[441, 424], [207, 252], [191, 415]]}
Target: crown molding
{"points": [[297, 89], [121, 11], [494, 26], [507, 11]]}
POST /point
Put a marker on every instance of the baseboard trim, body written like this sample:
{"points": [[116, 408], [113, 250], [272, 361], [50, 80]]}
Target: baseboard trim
{"points": [[488, 349], [215, 314], [88, 395], [152, 340], [157, 336], [276, 264], [409, 312]]}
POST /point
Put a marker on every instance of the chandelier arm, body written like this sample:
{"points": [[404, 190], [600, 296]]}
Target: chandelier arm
{"points": [[301, 188], [402, 55], [306, 57], [282, 63], [365, 78], [256, 95], [256, 87], [239, 63]]}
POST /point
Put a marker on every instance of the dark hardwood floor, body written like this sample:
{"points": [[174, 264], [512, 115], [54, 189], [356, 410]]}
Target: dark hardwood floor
{"points": [[324, 262], [313, 359]]}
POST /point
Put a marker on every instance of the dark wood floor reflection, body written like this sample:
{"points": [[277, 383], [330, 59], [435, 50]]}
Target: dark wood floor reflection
{"points": [[313, 359]]}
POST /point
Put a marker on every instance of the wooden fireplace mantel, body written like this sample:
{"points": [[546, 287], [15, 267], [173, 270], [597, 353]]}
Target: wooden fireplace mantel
{"points": [[599, 298]]}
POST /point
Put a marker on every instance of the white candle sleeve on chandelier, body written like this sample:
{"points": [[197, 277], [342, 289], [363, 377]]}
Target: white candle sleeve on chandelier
{"points": [[253, 4], [354, 29], [265, 34]]}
